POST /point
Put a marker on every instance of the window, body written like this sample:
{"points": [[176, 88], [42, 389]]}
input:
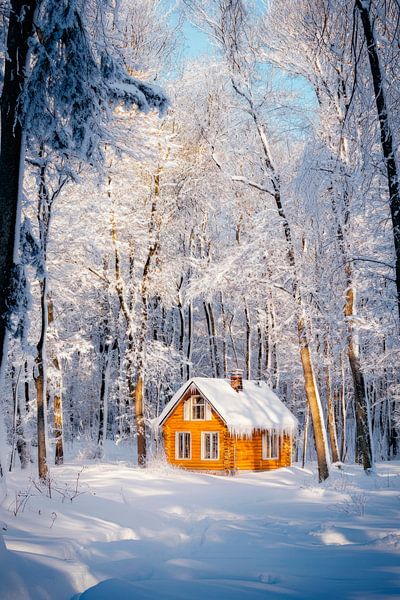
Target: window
{"points": [[198, 408], [183, 445], [270, 445], [210, 446]]}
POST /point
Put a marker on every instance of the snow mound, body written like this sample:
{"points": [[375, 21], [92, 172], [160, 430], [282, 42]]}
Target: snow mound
{"points": [[119, 589]]}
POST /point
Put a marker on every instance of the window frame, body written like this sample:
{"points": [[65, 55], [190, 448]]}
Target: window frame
{"points": [[267, 445], [203, 445], [177, 434]]}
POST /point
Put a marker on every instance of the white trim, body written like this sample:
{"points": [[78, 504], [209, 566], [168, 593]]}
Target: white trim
{"points": [[203, 434], [267, 448], [182, 393], [186, 409], [177, 434]]}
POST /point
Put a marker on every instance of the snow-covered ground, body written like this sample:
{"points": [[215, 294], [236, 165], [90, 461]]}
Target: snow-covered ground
{"points": [[164, 533]]}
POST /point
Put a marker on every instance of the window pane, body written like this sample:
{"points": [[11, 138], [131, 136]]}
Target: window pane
{"points": [[187, 445], [274, 446], [215, 446], [180, 454], [207, 446]]}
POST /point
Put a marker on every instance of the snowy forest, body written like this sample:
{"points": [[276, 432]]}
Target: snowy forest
{"points": [[189, 188]]}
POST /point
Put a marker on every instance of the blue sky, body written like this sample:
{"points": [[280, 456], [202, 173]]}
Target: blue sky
{"points": [[196, 42]]}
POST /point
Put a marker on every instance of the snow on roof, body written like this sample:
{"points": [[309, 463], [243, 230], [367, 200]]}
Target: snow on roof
{"points": [[254, 407]]}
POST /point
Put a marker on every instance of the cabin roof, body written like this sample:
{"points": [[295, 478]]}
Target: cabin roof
{"points": [[254, 407]]}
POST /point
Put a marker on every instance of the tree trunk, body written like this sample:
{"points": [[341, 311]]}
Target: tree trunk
{"points": [[19, 442], [125, 309], [363, 438], [305, 434], [343, 441], [40, 385], [260, 352], [224, 344], [140, 423], [314, 403], [388, 150], [232, 338], [181, 326], [58, 430], [190, 342], [57, 399], [215, 366], [12, 152], [331, 407], [310, 384], [248, 341]]}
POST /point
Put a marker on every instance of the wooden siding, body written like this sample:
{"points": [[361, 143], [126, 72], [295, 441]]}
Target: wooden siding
{"points": [[248, 453], [234, 453]]}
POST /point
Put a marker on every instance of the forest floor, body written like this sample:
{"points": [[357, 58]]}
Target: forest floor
{"points": [[162, 533]]}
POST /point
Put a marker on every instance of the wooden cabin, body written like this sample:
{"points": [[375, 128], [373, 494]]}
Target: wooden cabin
{"points": [[222, 425]]}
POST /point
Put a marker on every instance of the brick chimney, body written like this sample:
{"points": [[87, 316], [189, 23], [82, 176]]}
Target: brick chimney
{"points": [[237, 379]]}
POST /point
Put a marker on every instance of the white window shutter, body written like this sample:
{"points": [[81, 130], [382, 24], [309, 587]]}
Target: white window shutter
{"points": [[186, 410], [208, 412]]}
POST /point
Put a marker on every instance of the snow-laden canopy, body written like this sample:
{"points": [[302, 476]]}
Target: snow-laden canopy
{"points": [[254, 407]]}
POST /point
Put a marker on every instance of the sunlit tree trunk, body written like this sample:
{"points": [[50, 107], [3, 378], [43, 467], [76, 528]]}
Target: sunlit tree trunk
{"points": [[57, 398], [330, 405], [40, 384]]}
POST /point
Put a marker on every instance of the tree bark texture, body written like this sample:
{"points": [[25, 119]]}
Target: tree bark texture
{"points": [[57, 399], [363, 438], [40, 385]]}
